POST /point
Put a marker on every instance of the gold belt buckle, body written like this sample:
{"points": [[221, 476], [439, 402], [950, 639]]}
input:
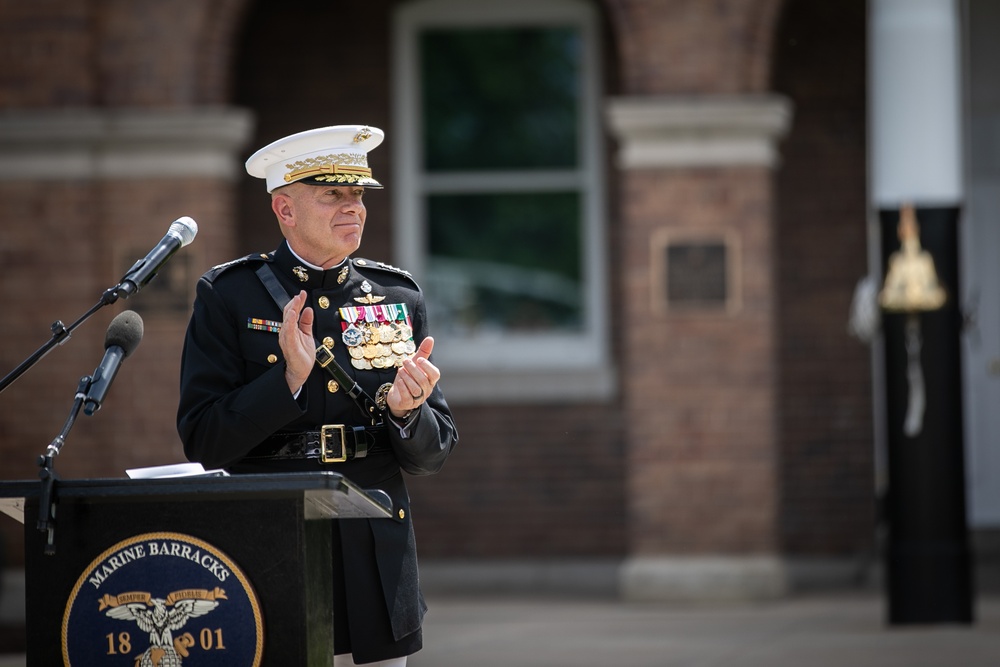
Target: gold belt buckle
{"points": [[328, 432]]}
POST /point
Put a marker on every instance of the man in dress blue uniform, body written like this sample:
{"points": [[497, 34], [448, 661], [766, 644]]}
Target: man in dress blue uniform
{"points": [[259, 392]]}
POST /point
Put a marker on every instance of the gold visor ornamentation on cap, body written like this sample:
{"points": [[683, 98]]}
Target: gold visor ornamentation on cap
{"points": [[346, 164], [345, 178]]}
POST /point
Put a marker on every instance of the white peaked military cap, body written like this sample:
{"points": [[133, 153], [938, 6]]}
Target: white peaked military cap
{"points": [[335, 155]]}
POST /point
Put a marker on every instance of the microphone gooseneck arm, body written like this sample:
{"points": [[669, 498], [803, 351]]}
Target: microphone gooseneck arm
{"points": [[60, 334], [47, 474]]}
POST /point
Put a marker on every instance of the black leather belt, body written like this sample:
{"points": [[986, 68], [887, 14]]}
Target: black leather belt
{"points": [[333, 443]]}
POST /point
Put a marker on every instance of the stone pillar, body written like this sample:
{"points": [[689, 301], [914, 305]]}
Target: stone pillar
{"points": [[696, 322]]}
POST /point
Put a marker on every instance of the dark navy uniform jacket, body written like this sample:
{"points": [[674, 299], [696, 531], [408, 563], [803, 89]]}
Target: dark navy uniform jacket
{"points": [[234, 395]]}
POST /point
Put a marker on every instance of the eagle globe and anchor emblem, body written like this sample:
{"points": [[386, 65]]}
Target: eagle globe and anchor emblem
{"points": [[162, 600], [160, 617]]}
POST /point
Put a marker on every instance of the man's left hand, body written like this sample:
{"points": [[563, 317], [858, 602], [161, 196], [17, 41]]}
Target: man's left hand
{"points": [[415, 380]]}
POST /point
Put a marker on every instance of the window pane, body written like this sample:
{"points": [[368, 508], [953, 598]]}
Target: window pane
{"points": [[500, 98], [505, 262]]}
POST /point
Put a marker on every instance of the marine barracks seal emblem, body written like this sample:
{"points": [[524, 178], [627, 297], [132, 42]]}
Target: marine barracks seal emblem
{"points": [[162, 600]]}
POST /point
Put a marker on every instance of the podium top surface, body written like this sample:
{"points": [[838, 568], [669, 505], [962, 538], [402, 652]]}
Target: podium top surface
{"points": [[327, 495]]}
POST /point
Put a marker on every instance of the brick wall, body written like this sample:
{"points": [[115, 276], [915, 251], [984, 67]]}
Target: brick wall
{"points": [[826, 417], [48, 53], [693, 46], [527, 482], [136, 53], [40, 224], [699, 394]]}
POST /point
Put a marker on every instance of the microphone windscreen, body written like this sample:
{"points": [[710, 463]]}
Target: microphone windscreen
{"points": [[125, 331], [185, 229]]}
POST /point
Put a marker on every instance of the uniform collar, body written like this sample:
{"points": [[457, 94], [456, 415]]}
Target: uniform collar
{"points": [[295, 270]]}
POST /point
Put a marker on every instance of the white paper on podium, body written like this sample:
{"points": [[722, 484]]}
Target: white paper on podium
{"points": [[174, 470]]}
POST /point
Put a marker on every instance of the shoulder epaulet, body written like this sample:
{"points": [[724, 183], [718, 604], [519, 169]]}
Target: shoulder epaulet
{"points": [[255, 257], [369, 264]]}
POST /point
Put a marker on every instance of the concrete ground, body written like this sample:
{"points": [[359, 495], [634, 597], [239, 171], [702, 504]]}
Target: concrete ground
{"points": [[826, 631], [814, 631]]}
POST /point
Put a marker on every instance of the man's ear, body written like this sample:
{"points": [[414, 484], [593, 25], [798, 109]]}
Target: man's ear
{"points": [[284, 208]]}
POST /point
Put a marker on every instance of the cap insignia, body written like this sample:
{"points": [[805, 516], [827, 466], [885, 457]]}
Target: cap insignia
{"points": [[364, 134]]}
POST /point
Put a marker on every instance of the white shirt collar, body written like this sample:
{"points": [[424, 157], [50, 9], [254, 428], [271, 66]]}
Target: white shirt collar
{"points": [[313, 266]]}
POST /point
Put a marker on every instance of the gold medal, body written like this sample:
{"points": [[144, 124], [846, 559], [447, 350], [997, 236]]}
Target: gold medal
{"points": [[361, 364], [356, 352]]}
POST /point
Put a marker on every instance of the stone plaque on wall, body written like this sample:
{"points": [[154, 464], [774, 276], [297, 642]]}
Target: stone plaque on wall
{"points": [[695, 271]]}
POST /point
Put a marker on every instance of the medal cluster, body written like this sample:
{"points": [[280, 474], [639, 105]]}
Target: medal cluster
{"points": [[378, 337]]}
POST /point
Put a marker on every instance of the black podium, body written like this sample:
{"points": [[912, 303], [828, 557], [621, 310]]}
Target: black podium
{"points": [[186, 571]]}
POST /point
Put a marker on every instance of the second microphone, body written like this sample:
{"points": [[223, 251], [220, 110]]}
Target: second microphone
{"points": [[123, 336]]}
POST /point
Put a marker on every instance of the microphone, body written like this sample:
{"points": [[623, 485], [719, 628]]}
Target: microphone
{"points": [[182, 231], [124, 334]]}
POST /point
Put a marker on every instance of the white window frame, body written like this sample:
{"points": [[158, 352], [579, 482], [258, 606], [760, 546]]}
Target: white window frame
{"points": [[511, 367]]}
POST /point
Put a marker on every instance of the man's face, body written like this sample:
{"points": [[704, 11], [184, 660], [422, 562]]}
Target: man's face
{"points": [[322, 224]]}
